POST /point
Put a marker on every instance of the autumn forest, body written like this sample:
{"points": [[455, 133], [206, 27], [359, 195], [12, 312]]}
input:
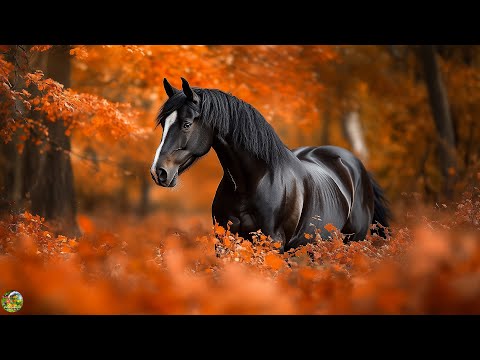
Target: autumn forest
{"points": [[85, 230]]}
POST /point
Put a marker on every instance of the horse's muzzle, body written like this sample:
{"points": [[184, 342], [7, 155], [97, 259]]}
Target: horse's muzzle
{"points": [[165, 178]]}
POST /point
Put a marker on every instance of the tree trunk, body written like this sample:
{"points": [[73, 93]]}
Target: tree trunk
{"points": [[13, 187], [18, 57], [144, 196], [327, 119], [352, 128], [350, 118], [19, 111], [7, 164], [123, 204], [53, 194], [440, 108], [31, 153], [470, 144]]}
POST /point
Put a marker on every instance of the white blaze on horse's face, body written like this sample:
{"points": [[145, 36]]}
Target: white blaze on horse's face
{"points": [[168, 123]]}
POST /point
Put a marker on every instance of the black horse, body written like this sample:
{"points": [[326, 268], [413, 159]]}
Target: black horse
{"points": [[265, 185]]}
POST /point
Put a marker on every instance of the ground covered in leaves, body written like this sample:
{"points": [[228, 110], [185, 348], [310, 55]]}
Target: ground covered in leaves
{"points": [[430, 265]]}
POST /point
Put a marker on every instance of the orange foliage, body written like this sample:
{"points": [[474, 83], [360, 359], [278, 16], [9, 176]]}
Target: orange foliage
{"points": [[147, 269], [146, 266], [40, 48], [85, 111], [330, 227]]}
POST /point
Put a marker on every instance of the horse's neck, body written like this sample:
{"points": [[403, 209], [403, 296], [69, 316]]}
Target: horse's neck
{"points": [[242, 170]]}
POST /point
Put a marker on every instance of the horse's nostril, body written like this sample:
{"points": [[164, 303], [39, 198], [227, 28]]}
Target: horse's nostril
{"points": [[162, 175]]}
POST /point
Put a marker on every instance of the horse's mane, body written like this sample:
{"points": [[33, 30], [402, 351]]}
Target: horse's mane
{"points": [[232, 116]]}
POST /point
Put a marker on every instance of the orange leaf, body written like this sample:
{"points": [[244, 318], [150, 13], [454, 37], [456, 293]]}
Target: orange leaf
{"points": [[277, 245], [330, 227], [308, 236], [227, 241], [274, 261], [301, 251], [219, 230]]}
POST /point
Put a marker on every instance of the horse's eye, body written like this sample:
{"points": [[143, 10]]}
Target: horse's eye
{"points": [[187, 125]]}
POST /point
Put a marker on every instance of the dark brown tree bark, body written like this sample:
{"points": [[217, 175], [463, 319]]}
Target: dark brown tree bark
{"points": [[7, 174], [143, 205], [52, 194], [13, 195], [440, 108], [21, 68], [31, 153]]}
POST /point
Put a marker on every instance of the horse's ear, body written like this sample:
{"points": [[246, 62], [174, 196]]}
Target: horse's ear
{"points": [[169, 89], [187, 90]]}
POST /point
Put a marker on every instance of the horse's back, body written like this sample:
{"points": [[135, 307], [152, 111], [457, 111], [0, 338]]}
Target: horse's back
{"points": [[335, 166], [337, 161], [323, 153]]}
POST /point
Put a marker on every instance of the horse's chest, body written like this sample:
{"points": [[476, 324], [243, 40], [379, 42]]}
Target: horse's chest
{"points": [[241, 215]]}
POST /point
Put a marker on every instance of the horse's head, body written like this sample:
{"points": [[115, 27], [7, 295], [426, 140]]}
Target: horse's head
{"points": [[185, 138]]}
